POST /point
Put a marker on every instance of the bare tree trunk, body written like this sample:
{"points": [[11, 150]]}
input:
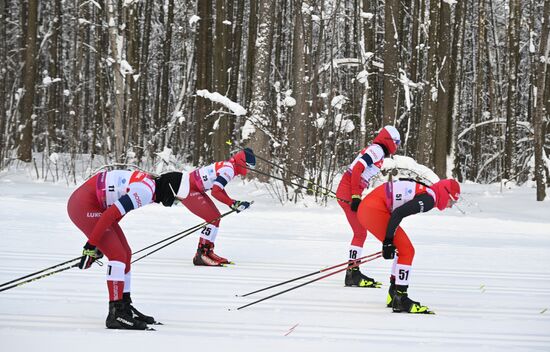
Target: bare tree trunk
{"points": [[144, 114], [511, 103], [259, 112], [236, 53], [3, 82], [392, 63], [443, 124], [455, 82], [24, 152], [203, 62], [479, 89], [251, 49], [222, 49], [541, 113], [98, 113], [132, 112], [299, 117], [425, 152], [116, 52], [54, 91], [165, 85], [369, 115]]}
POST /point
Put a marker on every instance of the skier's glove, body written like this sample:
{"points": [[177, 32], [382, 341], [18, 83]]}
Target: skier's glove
{"points": [[240, 205], [355, 201], [388, 250], [89, 255]]}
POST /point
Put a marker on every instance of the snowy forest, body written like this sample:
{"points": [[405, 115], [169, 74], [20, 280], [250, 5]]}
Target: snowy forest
{"points": [[305, 83]]}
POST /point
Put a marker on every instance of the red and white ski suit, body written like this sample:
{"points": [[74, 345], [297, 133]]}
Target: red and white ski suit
{"points": [[356, 178], [382, 210], [192, 194], [98, 205]]}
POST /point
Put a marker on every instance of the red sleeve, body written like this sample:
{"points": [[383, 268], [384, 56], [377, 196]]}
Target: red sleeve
{"points": [[356, 178], [111, 215], [219, 194]]}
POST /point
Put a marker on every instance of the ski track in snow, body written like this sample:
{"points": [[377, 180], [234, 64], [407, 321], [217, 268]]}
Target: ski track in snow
{"points": [[489, 285]]}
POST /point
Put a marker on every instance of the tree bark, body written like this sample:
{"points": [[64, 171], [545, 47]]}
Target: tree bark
{"points": [[391, 61], [165, 85], [299, 116], [511, 103], [203, 62], [425, 152], [251, 49], [222, 50], [24, 152], [259, 110], [119, 84], [3, 81], [443, 124], [541, 113]]}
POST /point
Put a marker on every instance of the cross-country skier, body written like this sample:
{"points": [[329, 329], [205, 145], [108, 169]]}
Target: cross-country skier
{"points": [[381, 213], [95, 208], [214, 178], [357, 177]]}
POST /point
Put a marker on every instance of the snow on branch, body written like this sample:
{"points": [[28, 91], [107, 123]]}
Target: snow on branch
{"points": [[405, 167], [225, 101]]}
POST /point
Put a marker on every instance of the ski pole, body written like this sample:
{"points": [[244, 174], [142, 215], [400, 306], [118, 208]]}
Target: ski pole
{"points": [[298, 185], [286, 170], [40, 271], [304, 276], [183, 235], [39, 277], [191, 229], [187, 233], [378, 255]]}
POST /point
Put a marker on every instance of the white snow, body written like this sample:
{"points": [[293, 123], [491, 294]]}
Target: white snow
{"points": [[289, 101], [225, 101], [367, 15], [125, 67], [320, 122], [46, 81], [338, 101], [194, 19], [484, 273], [248, 130], [345, 125], [362, 77]]}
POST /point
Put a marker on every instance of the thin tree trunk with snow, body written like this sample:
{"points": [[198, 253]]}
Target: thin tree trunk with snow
{"points": [[541, 113], [24, 150], [115, 43], [511, 102], [259, 109], [299, 116], [443, 129], [392, 64], [425, 152]]}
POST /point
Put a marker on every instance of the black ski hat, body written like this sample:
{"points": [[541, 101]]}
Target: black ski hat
{"points": [[167, 186]]}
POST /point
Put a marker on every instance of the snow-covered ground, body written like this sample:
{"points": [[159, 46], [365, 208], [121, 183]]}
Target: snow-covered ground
{"points": [[486, 274]]}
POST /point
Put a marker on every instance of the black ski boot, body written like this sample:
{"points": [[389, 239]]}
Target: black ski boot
{"points": [[120, 317], [354, 278], [391, 293], [136, 314], [402, 303]]}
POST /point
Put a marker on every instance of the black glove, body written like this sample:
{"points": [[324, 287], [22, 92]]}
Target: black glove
{"points": [[240, 205], [388, 249], [89, 255], [355, 201]]}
